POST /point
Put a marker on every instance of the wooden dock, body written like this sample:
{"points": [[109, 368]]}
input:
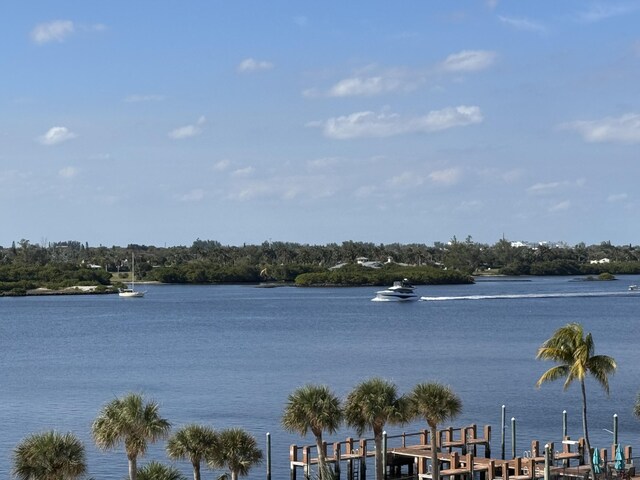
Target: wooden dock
{"points": [[408, 456]]}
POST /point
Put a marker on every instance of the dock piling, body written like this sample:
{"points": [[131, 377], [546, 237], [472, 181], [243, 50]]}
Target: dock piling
{"points": [[513, 437], [503, 431]]}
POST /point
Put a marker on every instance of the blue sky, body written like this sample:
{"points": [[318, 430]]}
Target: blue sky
{"points": [[159, 122]]}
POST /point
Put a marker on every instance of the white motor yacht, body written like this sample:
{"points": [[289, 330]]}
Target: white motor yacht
{"points": [[401, 291]]}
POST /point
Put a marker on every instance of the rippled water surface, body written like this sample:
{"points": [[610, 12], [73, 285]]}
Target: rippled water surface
{"points": [[229, 356]]}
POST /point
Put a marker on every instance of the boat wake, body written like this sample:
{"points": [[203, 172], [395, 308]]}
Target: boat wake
{"points": [[529, 295]]}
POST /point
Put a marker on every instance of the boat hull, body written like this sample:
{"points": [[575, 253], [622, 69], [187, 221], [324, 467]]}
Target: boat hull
{"points": [[130, 294], [394, 297]]}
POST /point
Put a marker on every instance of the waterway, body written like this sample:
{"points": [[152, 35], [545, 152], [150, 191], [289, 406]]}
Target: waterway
{"points": [[228, 356]]}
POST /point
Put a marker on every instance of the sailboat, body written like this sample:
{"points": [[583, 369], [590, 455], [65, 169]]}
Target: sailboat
{"points": [[131, 292]]}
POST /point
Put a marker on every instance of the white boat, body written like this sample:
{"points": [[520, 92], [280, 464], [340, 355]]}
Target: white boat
{"points": [[401, 291], [131, 292], [634, 287]]}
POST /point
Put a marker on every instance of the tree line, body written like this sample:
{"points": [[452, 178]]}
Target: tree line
{"points": [[208, 261]]}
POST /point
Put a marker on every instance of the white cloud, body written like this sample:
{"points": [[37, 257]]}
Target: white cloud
{"points": [[469, 61], [222, 165], [56, 135], [67, 172], [243, 172], [523, 24], [624, 129], [55, 31], [188, 130], [406, 180], [561, 206], [617, 197], [96, 27], [321, 163], [135, 98], [368, 86], [550, 187], [370, 124], [364, 191], [449, 176], [602, 11], [544, 188], [194, 195], [250, 65]]}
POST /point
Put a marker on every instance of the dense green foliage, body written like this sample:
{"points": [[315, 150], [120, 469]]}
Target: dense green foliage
{"points": [[24, 266], [359, 275], [18, 278]]}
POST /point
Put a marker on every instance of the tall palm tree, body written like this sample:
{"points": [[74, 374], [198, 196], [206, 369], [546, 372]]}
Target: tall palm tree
{"points": [[574, 353], [159, 471], [435, 403], [315, 408], [194, 443], [236, 450], [132, 422], [370, 406], [49, 456]]}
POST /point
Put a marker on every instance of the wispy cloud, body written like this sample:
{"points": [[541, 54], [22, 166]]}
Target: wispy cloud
{"points": [[56, 135], [449, 176], [322, 163], [60, 30], [522, 24], [67, 172], [560, 206], [551, 187], [135, 98], [617, 197], [243, 172], [195, 195], [624, 129], [372, 80], [406, 180], [251, 65], [469, 61], [56, 31], [370, 124], [188, 131], [222, 165], [365, 86], [603, 11]]}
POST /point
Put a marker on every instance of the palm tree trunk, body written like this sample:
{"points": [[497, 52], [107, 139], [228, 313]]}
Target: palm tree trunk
{"points": [[321, 459], [585, 430], [196, 470], [133, 467], [435, 470], [234, 475], [379, 453]]}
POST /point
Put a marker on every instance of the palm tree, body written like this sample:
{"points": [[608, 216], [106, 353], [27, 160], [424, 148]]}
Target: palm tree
{"points": [[370, 406], [315, 408], [435, 403], [236, 450], [574, 353], [131, 421], [159, 471], [194, 443], [49, 456]]}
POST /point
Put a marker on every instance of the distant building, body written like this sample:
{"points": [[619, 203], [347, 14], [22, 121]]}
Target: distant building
{"points": [[601, 261]]}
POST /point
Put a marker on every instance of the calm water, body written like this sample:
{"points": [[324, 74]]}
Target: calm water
{"points": [[229, 356]]}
